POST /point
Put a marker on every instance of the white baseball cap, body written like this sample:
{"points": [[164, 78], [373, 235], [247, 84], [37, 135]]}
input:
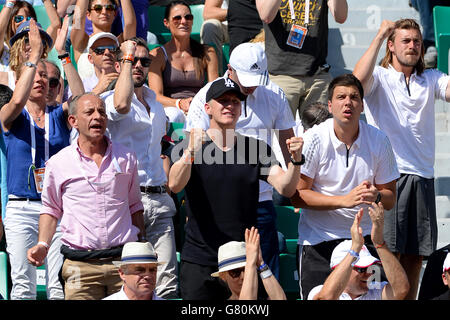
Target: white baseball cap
{"points": [[341, 250], [446, 265], [250, 62], [101, 35], [231, 256]]}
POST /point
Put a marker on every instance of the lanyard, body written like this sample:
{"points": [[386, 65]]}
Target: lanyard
{"points": [[291, 8], [33, 136]]}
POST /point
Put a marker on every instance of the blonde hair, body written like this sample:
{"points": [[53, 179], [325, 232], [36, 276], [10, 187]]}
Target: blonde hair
{"points": [[15, 55], [404, 24]]}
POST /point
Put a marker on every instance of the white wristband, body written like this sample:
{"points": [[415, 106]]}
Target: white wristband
{"points": [[45, 244], [177, 103], [10, 4], [265, 274]]}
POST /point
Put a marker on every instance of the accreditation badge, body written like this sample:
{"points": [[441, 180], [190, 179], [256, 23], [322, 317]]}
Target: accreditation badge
{"points": [[39, 179], [297, 36]]}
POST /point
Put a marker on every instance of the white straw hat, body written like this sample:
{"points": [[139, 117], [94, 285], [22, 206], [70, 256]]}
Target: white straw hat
{"points": [[231, 256], [137, 253]]}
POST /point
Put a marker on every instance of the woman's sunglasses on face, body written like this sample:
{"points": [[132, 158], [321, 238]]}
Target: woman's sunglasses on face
{"points": [[20, 18], [235, 273], [188, 17], [99, 7]]}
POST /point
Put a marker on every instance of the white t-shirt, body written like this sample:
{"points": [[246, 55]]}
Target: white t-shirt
{"points": [[264, 110], [120, 295], [336, 172], [140, 132], [407, 115], [372, 294]]}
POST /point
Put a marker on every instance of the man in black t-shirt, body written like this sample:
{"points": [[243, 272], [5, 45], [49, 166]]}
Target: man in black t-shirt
{"points": [[219, 171], [297, 45]]}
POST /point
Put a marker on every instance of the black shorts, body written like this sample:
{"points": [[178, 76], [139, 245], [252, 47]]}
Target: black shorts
{"points": [[411, 226]]}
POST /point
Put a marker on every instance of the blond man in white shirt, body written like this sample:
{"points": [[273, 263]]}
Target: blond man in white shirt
{"points": [[400, 98]]}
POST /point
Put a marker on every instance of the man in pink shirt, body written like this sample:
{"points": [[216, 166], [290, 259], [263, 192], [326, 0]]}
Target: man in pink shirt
{"points": [[92, 188]]}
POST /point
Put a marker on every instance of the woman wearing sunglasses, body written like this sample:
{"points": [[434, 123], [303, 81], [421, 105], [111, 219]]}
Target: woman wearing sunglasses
{"points": [[12, 15], [101, 13], [239, 266], [33, 132], [182, 66]]}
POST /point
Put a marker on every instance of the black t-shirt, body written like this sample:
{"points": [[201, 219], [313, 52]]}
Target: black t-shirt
{"points": [[286, 60], [244, 22], [222, 194]]}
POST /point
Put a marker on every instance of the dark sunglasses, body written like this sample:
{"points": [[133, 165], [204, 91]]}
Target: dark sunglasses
{"points": [[235, 273], [53, 82], [145, 62], [27, 41], [99, 7], [101, 50], [188, 17], [360, 270], [20, 18]]}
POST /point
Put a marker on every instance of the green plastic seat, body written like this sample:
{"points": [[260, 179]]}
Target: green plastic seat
{"points": [[176, 131], [441, 15], [41, 288], [42, 16], [4, 275], [157, 27], [287, 224], [288, 276]]}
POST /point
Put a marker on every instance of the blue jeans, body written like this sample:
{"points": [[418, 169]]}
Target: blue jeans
{"points": [[267, 227]]}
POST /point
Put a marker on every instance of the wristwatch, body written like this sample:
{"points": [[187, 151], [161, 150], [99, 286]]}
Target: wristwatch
{"points": [[378, 199], [30, 64], [298, 163], [355, 256]]}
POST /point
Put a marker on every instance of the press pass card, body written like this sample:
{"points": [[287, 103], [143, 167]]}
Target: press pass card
{"points": [[39, 179], [297, 36]]}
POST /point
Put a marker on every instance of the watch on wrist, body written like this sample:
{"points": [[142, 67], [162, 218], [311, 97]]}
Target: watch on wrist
{"points": [[378, 199], [30, 64], [298, 163], [355, 256], [64, 55], [263, 268]]}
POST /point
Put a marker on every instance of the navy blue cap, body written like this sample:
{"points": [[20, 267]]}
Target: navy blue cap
{"points": [[24, 28]]}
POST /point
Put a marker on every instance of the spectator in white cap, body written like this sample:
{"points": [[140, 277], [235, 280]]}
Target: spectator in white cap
{"points": [[137, 268], [103, 48], [264, 111], [220, 171], [239, 266], [445, 279], [101, 13], [354, 267]]}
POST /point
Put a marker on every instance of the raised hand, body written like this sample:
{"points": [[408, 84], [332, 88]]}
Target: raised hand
{"points": [[376, 213], [196, 139], [36, 44], [252, 246], [356, 232], [295, 146], [60, 42]]}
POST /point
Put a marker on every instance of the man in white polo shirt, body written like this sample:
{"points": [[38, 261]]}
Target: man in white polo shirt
{"points": [[138, 121], [349, 165], [264, 110], [400, 101]]}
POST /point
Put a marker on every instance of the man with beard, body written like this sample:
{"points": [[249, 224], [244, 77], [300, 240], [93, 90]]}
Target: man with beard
{"points": [[138, 121], [400, 98]]}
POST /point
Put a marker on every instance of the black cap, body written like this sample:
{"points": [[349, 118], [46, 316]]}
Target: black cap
{"points": [[221, 86]]}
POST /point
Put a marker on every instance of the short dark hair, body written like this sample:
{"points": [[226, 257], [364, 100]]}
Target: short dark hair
{"points": [[5, 95], [345, 80], [314, 113]]}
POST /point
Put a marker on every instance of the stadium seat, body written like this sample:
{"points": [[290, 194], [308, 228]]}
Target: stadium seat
{"points": [[157, 27], [287, 224], [42, 16], [289, 276], [176, 131], [4, 275], [226, 56], [442, 36]]}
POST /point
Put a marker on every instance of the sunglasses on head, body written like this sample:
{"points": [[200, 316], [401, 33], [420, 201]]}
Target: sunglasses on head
{"points": [[188, 17], [99, 7], [101, 50], [20, 18], [53, 82], [235, 273], [145, 62]]}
